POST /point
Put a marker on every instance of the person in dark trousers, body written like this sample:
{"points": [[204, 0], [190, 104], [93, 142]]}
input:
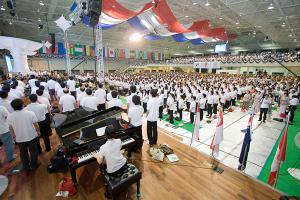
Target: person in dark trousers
{"points": [[265, 104], [135, 114], [152, 117], [171, 107], [192, 109], [23, 125], [293, 106], [40, 111]]}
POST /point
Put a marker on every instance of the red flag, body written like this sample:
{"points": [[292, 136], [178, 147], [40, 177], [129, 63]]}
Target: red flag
{"points": [[279, 157], [218, 137]]}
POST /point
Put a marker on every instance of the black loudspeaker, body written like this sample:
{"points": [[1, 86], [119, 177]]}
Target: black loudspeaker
{"points": [[52, 37], [213, 71], [95, 9], [204, 70], [197, 69]]}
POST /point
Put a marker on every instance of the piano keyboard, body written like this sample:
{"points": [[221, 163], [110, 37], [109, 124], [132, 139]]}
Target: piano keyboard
{"points": [[86, 155]]}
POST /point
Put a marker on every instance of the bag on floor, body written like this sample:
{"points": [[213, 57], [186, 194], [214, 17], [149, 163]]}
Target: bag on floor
{"points": [[156, 154], [166, 149], [66, 187], [58, 163]]}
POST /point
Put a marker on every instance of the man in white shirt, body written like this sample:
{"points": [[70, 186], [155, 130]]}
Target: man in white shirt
{"points": [[67, 102], [40, 111], [109, 96], [51, 87], [71, 84], [129, 98], [5, 135], [293, 106], [110, 153], [89, 101], [10, 96], [114, 102], [5, 102], [152, 116], [15, 91], [135, 114], [100, 93], [24, 127], [32, 81]]}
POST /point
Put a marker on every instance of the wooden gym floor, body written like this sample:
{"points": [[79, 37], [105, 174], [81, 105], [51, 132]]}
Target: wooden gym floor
{"points": [[189, 179]]}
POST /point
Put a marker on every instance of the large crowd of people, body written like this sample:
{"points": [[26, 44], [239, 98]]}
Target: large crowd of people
{"points": [[27, 102]]}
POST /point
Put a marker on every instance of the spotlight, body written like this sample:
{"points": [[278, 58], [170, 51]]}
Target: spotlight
{"points": [[135, 37], [10, 23], [290, 35], [237, 22], [194, 3], [186, 16], [2, 8], [220, 18], [39, 19], [207, 3], [271, 6], [40, 26], [42, 3]]}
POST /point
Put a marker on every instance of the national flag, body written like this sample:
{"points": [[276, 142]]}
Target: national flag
{"points": [[122, 53], [92, 50], [78, 50], [196, 127], [279, 157], [218, 137], [71, 49], [136, 54], [246, 144], [127, 53], [111, 52], [61, 48], [144, 55], [132, 54], [87, 50]]}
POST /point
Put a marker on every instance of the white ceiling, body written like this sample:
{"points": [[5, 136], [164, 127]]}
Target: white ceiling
{"points": [[251, 15]]}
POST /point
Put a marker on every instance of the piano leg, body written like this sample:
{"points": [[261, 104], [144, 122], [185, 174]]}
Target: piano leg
{"points": [[138, 193], [129, 153], [73, 175]]}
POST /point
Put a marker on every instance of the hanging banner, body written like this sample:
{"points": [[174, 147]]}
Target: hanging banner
{"points": [[207, 65]]}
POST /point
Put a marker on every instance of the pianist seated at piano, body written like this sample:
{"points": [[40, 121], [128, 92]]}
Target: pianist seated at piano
{"points": [[110, 154]]}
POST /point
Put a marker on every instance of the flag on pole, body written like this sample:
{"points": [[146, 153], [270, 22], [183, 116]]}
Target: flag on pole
{"points": [[196, 128], [78, 50], [279, 157], [218, 137], [246, 144]]}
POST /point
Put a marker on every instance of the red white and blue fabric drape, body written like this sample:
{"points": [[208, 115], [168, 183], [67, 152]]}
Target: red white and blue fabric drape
{"points": [[155, 20]]}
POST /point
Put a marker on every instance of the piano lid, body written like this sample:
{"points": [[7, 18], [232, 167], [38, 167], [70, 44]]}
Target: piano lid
{"points": [[67, 124]]}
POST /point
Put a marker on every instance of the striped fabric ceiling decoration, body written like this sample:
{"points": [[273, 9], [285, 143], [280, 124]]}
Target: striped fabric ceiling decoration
{"points": [[155, 20]]}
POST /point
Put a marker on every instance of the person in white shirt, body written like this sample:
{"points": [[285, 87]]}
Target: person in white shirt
{"points": [[5, 135], [181, 105], [171, 107], [265, 104], [35, 87], [80, 95], [293, 106], [89, 101], [32, 81], [15, 91], [161, 106], [51, 87], [192, 109], [129, 98], [100, 93], [135, 114], [152, 116], [114, 102], [215, 102], [71, 84], [67, 102], [5, 102], [24, 127], [109, 96], [110, 154], [44, 100], [202, 105], [40, 111], [10, 96], [210, 102]]}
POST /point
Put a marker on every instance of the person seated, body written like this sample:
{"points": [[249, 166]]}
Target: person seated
{"points": [[111, 155]]}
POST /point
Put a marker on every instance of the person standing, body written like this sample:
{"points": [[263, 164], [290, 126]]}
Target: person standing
{"points": [[192, 109], [135, 114], [100, 93], [67, 102], [5, 135], [115, 101], [71, 84], [90, 101], [24, 127], [40, 111], [293, 106], [265, 104], [171, 107], [152, 116]]}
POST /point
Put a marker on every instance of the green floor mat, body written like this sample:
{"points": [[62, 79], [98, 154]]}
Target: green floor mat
{"points": [[286, 183]]}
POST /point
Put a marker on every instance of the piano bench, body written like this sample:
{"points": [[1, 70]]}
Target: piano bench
{"points": [[116, 184]]}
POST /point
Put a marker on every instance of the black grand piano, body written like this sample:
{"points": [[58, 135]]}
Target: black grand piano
{"points": [[79, 134]]}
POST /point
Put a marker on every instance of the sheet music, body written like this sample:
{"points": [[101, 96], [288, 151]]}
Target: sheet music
{"points": [[100, 131]]}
